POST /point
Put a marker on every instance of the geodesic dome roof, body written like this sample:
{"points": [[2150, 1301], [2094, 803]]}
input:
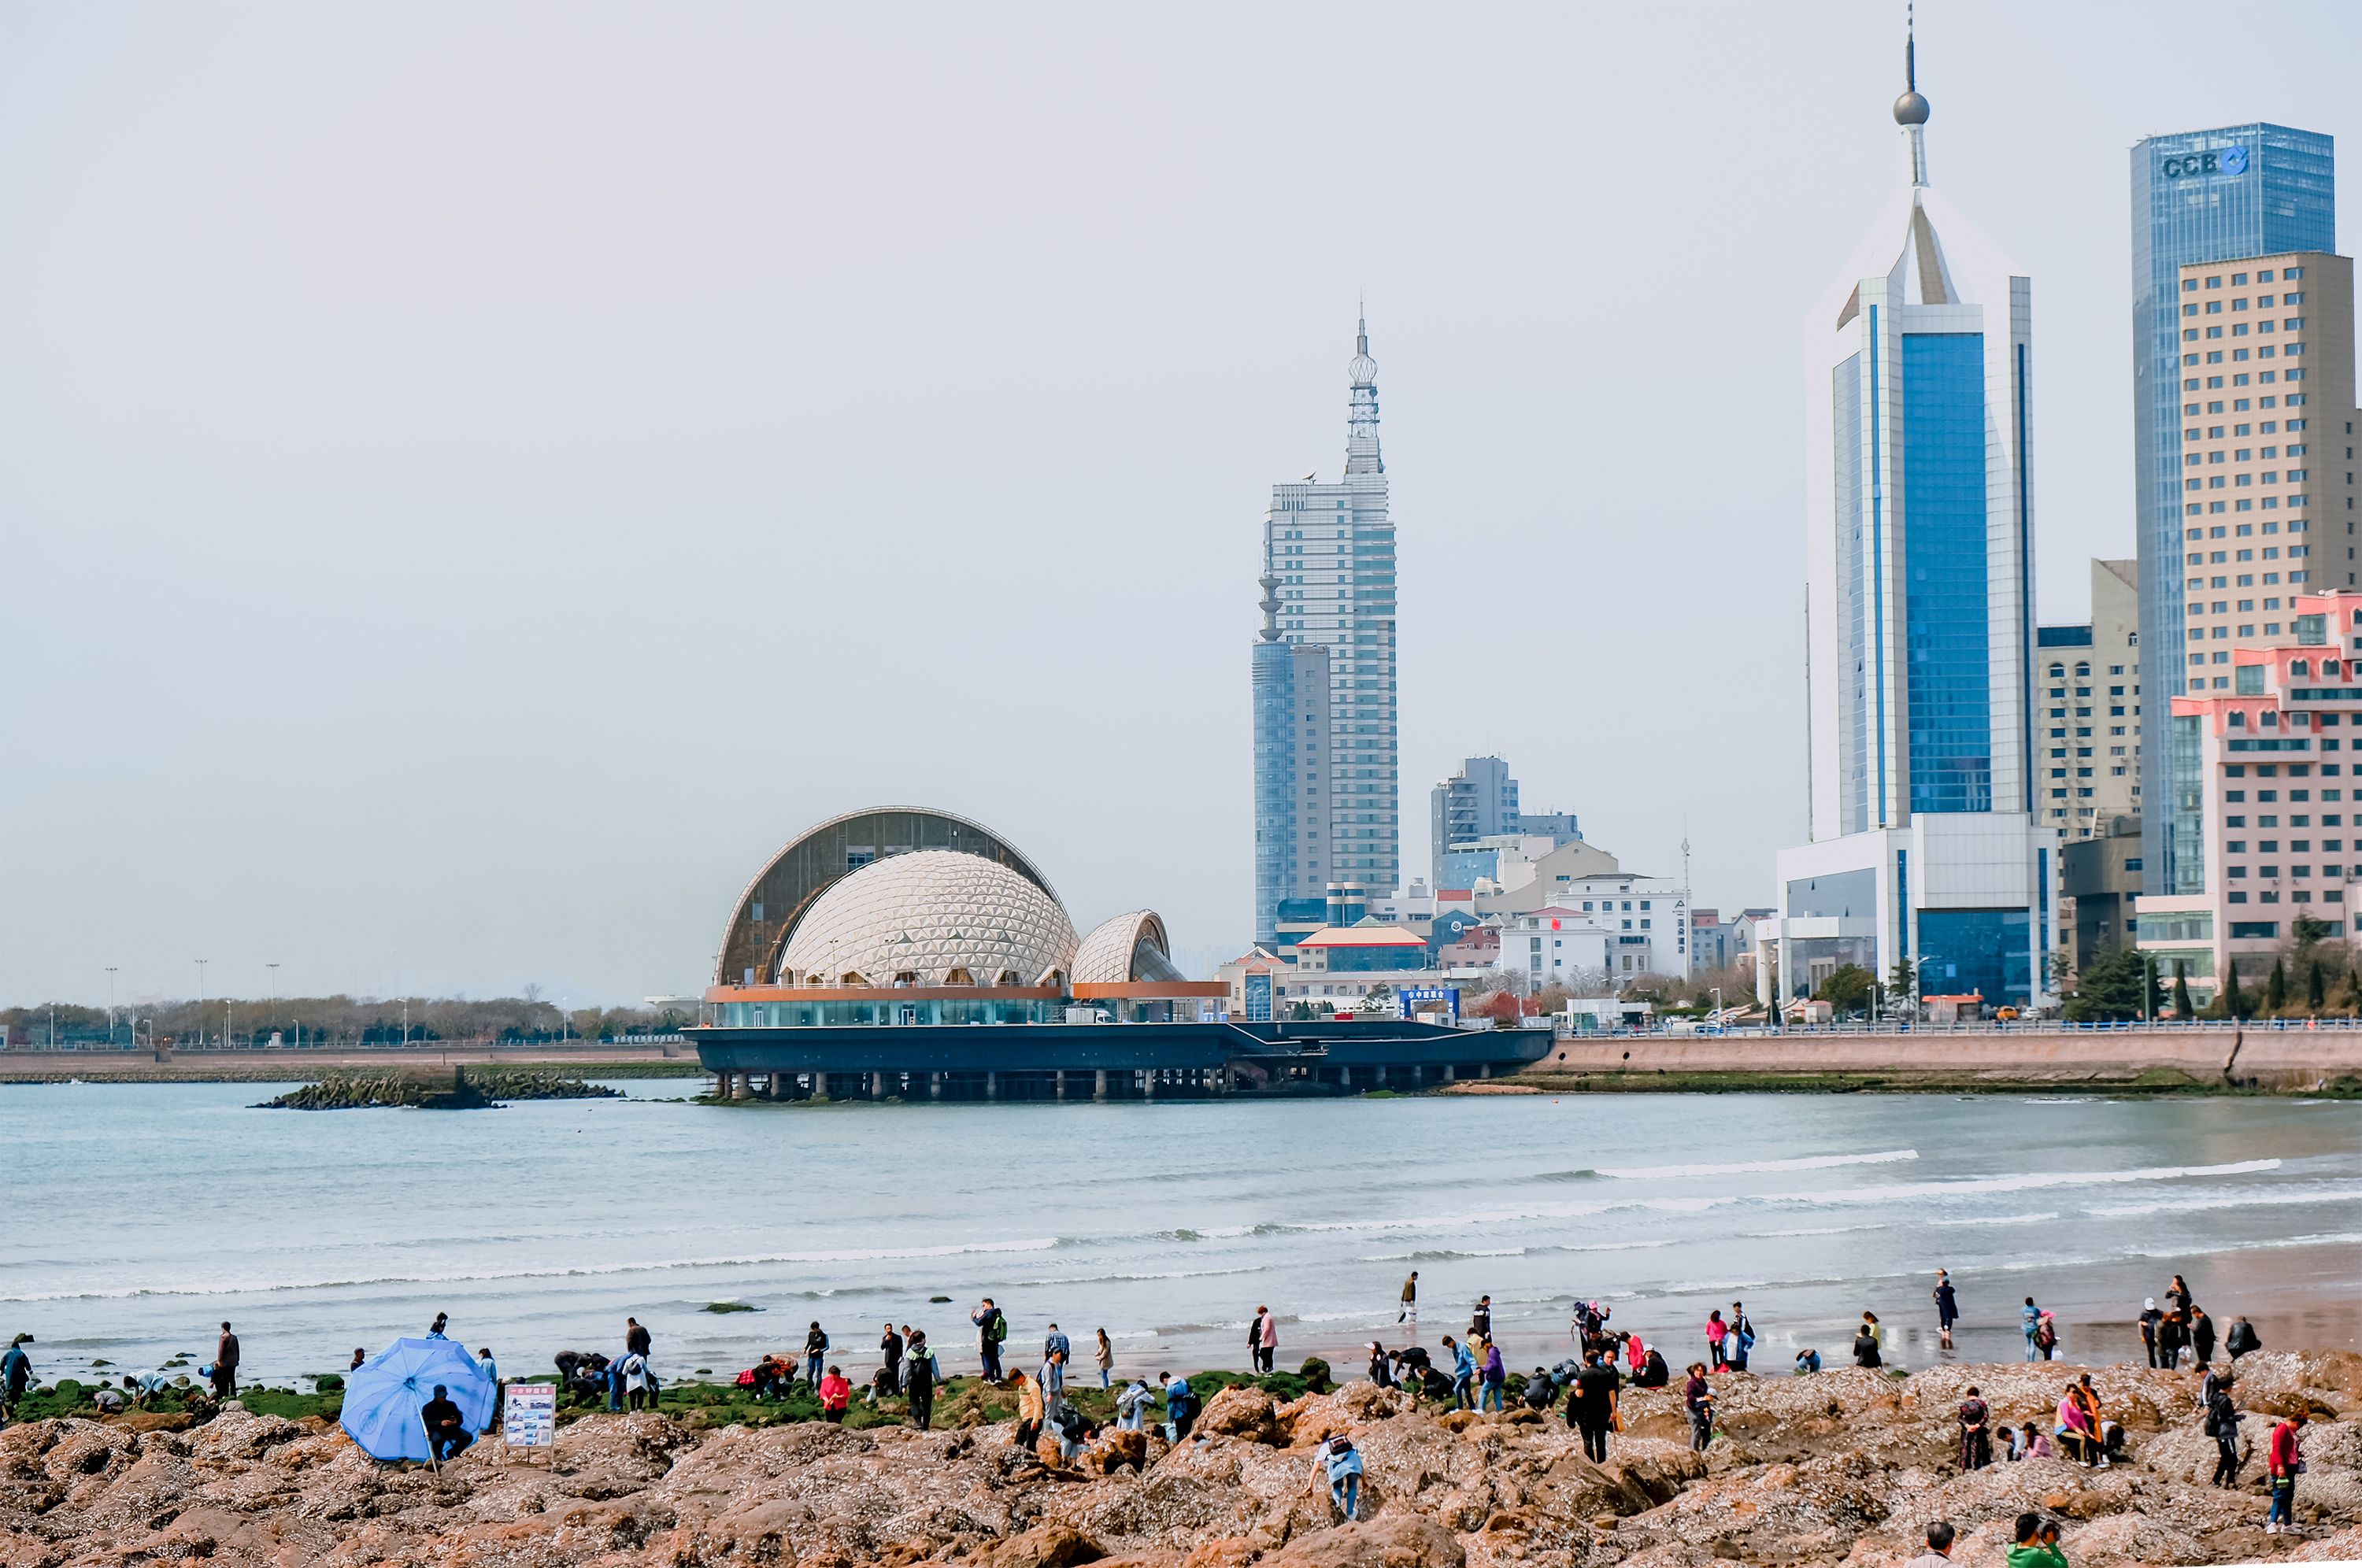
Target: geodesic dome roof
{"points": [[1130, 947], [932, 917]]}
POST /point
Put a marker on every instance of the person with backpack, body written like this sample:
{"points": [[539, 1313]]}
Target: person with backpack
{"points": [[2046, 1336], [1339, 1462], [1180, 1404], [2223, 1425], [1132, 1406], [815, 1352], [920, 1375], [1739, 1340], [992, 1328]]}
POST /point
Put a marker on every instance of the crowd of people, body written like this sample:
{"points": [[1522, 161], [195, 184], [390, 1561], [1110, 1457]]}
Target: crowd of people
{"points": [[1469, 1374]]}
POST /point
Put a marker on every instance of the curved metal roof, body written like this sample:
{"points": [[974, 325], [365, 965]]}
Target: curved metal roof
{"points": [[784, 892], [932, 917]]}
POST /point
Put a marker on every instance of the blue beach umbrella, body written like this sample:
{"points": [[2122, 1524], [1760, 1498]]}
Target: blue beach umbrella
{"points": [[384, 1394]]}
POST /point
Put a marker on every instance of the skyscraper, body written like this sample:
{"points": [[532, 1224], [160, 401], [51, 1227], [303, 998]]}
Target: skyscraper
{"points": [[1480, 802], [2197, 196], [1920, 643], [1327, 768]]}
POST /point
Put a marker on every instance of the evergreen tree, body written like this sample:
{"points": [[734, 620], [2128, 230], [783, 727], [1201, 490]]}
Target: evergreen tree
{"points": [[2181, 1008], [2152, 1004], [2231, 1001], [2276, 987], [2316, 989]]}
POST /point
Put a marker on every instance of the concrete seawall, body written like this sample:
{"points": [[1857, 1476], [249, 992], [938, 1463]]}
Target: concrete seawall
{"points": [[2253, 1057]]}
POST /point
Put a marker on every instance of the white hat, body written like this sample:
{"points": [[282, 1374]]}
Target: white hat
{"points": [[2150, 1305]]}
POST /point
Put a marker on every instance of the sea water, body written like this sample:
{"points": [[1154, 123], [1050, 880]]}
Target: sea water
{"points": [[135, 1218]]}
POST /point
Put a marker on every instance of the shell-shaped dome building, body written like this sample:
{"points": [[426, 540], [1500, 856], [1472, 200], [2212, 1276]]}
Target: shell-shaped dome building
{"points": [[932, 917]]}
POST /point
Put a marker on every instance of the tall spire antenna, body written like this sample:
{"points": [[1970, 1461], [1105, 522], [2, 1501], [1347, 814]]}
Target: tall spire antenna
{"points": [[1910, 47], [1911, 109]]}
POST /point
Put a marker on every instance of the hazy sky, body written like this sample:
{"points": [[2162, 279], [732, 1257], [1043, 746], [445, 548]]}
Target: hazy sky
{"points": [[475, 479]]}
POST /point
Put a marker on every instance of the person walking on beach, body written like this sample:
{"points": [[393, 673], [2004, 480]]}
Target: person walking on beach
{"points": [[890, 1355], [1480, 1321], [2243, 1339], [1105, 1356], [1716, 1330], [1591, 1407], [2223, 1425], [225, 1364], [1976, 1436], [2030, 1316], [2282, 1460], [815, 1351], [1409, 1313], [1266, 1344], [1055, 1342], [919, 1377], [2201, 1336], [1739, 1340], [992, 1328], [2149, 1319], [1697, 1398], [1947, 1308]]}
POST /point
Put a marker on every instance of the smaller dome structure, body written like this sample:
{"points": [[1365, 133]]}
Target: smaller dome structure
{"points": [[1911, 109], [1130, 947], [931, 918]]}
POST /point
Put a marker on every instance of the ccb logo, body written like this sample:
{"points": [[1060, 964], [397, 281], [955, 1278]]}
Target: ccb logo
{"points": [[2191, 165]]}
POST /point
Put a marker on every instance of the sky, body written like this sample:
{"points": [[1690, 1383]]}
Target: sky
{"points": [[475, 479]]}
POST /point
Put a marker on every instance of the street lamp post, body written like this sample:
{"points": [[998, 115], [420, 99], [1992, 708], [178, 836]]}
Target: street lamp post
{"points": [[110, 1006], [274, 994], [200, 1001]]}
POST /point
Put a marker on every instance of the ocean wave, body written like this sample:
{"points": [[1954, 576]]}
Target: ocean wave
{"points": [[2023, 1181], [1751, 1167], [2221, 1201], [258, 1288], [1999, 1219]]}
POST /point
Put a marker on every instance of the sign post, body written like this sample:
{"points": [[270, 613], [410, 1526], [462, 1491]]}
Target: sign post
{"points": [[529, 1417]]}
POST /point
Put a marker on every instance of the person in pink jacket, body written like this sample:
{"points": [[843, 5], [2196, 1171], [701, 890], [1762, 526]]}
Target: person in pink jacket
{"points": [[1715, 1330]]}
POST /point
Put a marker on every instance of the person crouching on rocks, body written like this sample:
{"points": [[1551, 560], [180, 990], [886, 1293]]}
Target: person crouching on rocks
{"points": [[446, 1430], [1697, 1397], [1339, 1462]]}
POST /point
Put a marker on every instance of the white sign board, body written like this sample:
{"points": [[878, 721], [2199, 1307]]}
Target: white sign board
{"points": [[529, 1417]]}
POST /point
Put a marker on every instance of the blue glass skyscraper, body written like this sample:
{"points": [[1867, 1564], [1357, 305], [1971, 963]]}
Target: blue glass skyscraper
{"points": [[2210, 195]]}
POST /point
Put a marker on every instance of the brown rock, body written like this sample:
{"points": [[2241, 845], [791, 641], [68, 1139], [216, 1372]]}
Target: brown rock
{"points": [[1240, 1411], [1396, 1540], [1046, 1546]]}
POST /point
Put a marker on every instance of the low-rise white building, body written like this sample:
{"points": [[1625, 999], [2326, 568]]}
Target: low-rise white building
{"points": [[1601, 929]]}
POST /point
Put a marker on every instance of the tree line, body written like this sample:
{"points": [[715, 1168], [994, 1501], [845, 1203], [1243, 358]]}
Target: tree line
{"points": [[332, 1020]]}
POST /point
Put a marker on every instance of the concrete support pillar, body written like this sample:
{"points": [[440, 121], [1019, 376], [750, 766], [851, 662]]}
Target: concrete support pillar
{"points": [[1484, 1069], [1147, 1084], [820, 1088], [1058, 1084], [934, 1085], [738, 1082], [1378, 1076], [877, 1085], [1450, 1072], [1098, 1087], [992, 1086]]}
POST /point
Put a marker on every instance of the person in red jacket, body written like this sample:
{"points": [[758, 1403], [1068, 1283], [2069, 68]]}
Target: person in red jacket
{"points": [[836, 1394], [2282, 1460]]}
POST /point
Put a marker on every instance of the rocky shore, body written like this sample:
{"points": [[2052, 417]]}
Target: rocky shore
{"points": [[462, 1088], [1844, 1467]]}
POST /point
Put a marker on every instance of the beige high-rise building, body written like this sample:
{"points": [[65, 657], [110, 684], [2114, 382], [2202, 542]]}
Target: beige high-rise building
{"points": [[2266, 449], [2088, 709]]}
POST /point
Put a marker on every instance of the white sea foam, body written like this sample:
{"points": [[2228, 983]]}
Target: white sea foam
{"points": [[1751, 1167], [2227, 1201]]}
